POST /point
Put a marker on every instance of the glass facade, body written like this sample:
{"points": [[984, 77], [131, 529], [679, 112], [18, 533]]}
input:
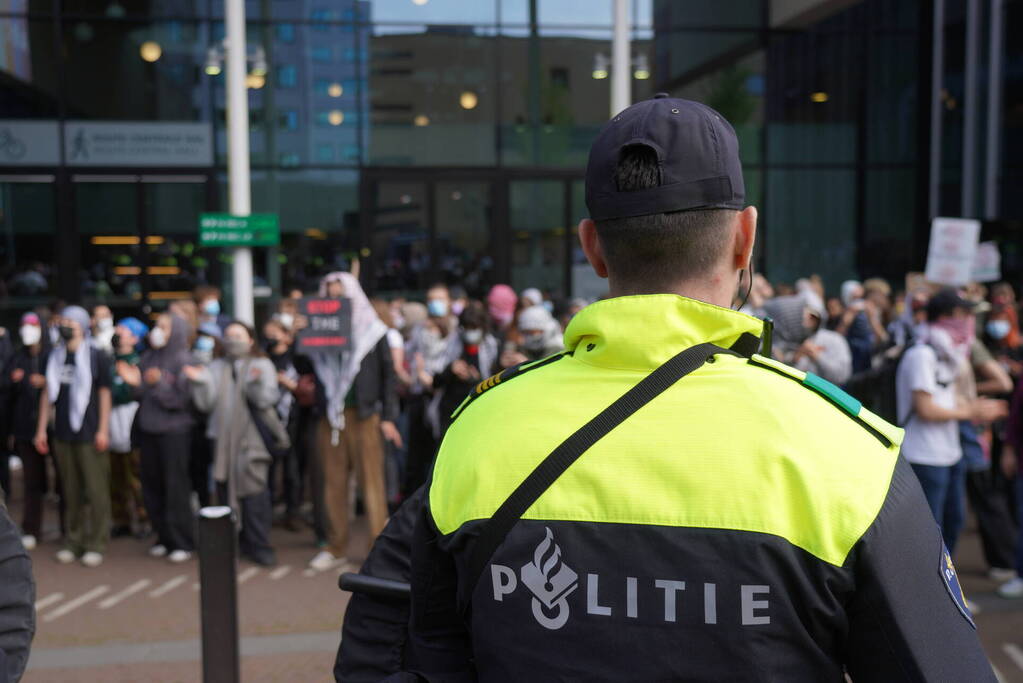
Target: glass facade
{"points": [[446, 140]]}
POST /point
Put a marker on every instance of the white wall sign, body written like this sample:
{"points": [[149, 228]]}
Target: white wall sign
{"points": [[131, 143], [987, 264], [29, 143], [951, 251]]}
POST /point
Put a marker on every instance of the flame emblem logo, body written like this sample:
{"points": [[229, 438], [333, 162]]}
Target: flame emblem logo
{"points": [[551, 581]]}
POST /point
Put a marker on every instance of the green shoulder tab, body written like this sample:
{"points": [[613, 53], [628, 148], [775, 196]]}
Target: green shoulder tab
{"points": [[501, 377], [884, 432]]}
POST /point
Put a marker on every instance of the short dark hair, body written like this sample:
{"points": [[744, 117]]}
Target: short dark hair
{"points": [[652, 253]]}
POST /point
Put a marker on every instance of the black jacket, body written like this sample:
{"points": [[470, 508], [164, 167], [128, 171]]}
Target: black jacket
{"points": [[21, 398], [376, 385], [17, 601]]}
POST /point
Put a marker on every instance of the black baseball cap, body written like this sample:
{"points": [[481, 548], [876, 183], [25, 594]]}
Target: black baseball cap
{"points": [[697, 151], [946, 301]]}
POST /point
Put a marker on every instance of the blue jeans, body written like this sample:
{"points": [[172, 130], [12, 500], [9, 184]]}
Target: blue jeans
{"points": [[945, 490]]}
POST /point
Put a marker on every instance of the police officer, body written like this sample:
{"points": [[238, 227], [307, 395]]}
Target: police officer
{"points": [[729, 518]]}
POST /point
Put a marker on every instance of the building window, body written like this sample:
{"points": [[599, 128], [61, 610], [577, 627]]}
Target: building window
{"points": [[288, 120], [289, 159], [286, 33], [324, 153], [320, 53], [287, 76]]}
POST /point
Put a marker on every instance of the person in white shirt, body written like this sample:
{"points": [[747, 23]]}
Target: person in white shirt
{"points": [[925, 388]]}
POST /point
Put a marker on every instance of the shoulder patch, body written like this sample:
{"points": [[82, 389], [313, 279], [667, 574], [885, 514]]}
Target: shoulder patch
{"points": [[951, 580], [849, 405], [504, 376]]}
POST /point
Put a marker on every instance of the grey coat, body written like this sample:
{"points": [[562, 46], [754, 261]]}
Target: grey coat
{"points": [[241, 459], [17, 601]]}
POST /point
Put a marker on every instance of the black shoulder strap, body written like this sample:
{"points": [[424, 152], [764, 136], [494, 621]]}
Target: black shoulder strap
{"points": [[554, 465]]}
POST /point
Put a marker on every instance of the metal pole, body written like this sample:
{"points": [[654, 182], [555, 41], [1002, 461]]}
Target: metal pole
{"points": [[969, 183], [621, 61], [994, 111], [937, 106], [219, 595], [238, 152]]}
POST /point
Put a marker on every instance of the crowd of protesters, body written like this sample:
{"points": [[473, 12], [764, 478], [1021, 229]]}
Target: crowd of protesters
{"points": [[146, 421]]}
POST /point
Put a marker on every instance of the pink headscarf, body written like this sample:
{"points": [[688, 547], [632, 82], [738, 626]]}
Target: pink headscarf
{"points": [[501, 302]]}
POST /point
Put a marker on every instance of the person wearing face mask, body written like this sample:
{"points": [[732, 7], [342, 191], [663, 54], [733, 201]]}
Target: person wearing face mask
{"points": [[240, 391], [930, 410], [802, 339], [21, 383], [103, 329], [164, 428], [539, 333], [77, 391], [426, 351], [277, 344], [207, 301], [126, 500], [472, 357]]}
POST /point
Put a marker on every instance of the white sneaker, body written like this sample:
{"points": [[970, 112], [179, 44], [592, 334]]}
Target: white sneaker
{"points": [[179, 556], [29, 541], [1012, 589], [158, 550], [1001, 574], [92, 559], [324, 560], [65, 556]]}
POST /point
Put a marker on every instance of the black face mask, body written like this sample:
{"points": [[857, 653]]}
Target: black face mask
{"points": [[66, 333], [269, 345], [115, 342]]}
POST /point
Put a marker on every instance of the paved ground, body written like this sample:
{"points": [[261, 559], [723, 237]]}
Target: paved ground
{"points": [[137, 619]]}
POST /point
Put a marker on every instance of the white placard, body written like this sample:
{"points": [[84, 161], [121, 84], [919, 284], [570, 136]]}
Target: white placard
{"points": [[987, 263], [131, 143], [29, 143], [951, 251]]}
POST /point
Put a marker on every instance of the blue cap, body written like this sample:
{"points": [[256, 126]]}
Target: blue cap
{"points": [[697, 151], [138, 329]]}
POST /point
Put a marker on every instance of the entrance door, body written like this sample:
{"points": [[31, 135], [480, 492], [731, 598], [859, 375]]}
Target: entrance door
{"points": [[425, 231], [137, 238]]}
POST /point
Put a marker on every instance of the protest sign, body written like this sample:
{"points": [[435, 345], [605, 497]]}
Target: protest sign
{"points": [[951, 251], [328, 325], [987, 264]]}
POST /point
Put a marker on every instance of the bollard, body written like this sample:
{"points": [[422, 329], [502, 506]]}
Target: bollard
{"points": [[219, 594]]}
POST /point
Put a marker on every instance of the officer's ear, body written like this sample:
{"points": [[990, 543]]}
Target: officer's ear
{"points": [[592, 247], [745, 237]]}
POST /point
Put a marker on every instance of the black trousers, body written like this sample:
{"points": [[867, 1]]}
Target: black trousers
{"points": [[422, 446], [34, 473], [166, 488], [199, 462], [986, 492], [303, 439], [256, 515]]}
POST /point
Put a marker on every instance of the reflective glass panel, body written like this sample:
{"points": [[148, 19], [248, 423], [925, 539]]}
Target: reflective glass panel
{"points": [[28, 69], [110, 238], [463, 243], [27, 228], [538, 235], [401, 255]]}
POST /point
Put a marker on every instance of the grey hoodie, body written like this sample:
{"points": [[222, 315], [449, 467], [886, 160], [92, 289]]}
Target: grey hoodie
{"points": [[165, 407]]}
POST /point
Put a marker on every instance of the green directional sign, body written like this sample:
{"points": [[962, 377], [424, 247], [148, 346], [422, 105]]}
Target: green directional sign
{"points": [[225, 230]]}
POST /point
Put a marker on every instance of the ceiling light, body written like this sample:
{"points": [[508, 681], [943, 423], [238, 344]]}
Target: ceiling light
{"points": [[336, 117], [335, 90], [468, 100], [819, 97], [255, 81], [421, 120], [150, 50]]}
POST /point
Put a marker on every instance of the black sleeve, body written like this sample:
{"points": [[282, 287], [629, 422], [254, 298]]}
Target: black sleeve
{"points": [[374, 636], [104, 370], [17, 600], [440, 639], [906, 620], [388, 382]]}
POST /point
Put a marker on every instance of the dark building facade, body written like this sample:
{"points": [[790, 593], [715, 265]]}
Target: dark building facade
{"points": [[446, 140]]}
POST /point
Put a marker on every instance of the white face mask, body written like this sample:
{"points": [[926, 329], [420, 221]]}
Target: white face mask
{"points": [[286, 319], [105, 325], [30, 334], [157, 338]]}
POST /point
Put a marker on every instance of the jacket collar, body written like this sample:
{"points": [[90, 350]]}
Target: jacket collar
{"points": [[642, 332]]}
